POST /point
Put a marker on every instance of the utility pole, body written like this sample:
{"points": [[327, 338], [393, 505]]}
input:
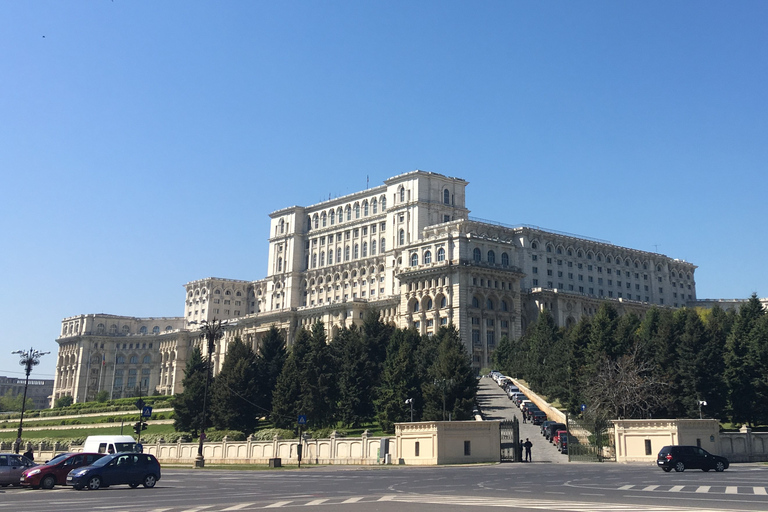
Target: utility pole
{"points": [[211, 332]]}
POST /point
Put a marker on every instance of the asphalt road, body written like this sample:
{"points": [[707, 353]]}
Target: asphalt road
{"points": [[562, 487]]}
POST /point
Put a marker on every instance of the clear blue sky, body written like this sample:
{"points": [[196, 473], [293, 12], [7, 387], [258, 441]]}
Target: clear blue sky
{"points": [[143, 144]]}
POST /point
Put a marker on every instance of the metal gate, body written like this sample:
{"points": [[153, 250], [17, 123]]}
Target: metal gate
{"points": [[590, 440], [510, 440]]}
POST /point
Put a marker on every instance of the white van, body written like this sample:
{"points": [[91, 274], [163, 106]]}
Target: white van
{"points": [[110, 444]]}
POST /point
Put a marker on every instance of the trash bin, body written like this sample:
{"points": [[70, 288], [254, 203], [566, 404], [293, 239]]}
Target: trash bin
{"points": [[275, 463]]}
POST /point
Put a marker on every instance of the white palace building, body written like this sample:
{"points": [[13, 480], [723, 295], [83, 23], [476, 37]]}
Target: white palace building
{"points": [[407, 248]]}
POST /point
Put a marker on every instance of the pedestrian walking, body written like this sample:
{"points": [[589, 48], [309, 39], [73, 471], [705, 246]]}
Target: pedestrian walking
{"points": [[524, 417], [528, 444], [30, 454]]}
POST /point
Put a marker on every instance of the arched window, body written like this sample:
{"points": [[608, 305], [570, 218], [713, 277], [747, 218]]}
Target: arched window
{"points": [[100, 329], [534, 245], [322, 258], [365, 208], [383, 204], [309, 222], [357, 210], [415, 307], [427, 257], [402, 194], [279, 264], [446, 196], [374, 206], [442, 302], [143, 330], [315, 221], [383, 246], [549, 248], [504, 306], [505, 259], [324, 219], [282, 226], [346, 253], [330, 257], [314, 260], [476, 255], [134, 359], [126, 329], [414, 259], [475, 302], [349, 213], [373, 247], [120, 360], [339, 215], [489, 304], [402, 237], [491, 257], [365, 249], [429, 304], [113, 329], [156, 329], [168, 328], [441, 254], [147, 359], [357, 251], [338, 255], [333, 217]]}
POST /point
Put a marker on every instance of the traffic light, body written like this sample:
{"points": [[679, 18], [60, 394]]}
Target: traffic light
{"points": [[143, 425], [137, 427]]}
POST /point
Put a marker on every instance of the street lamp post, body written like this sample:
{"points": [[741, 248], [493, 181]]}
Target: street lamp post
{"points": [[29, 358], [701, 402], [410, 401], [211, 332]]}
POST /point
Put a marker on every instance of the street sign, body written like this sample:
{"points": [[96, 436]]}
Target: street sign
{"points": [[139, 404], [302, 419], [146, 411], [583, 406]]}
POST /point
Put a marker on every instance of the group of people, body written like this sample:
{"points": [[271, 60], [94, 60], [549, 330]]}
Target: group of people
{"points": [[527, 447]]}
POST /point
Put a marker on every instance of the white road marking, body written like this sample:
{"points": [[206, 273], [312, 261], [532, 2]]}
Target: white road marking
{"points": [[278, 504], [731, 490], [625, 487], [650, 487], [759, 490], [676, 488], [388, 497], [238, 507], [316, 502], [703, 488], [352, 500]]}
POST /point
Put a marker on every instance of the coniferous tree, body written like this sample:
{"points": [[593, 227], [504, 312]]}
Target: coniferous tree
{"points": [[355, 379], [399, 382], [712, 363], [319, 386], [451, 385], [542, 338], [271, 358], [741, 366], [287, 397], [188, 405], [236, 392], [758, 340], [689, 379]]}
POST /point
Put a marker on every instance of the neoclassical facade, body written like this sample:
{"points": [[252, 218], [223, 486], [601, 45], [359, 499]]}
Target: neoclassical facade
{"points": [[407, 248]]}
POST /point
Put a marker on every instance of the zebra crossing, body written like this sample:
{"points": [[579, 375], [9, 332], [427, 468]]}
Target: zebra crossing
{"points": [[709, 489]]}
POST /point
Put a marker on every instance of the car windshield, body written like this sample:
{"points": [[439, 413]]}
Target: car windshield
{"points": [[57, 459], [125, 447], [103, 461]]}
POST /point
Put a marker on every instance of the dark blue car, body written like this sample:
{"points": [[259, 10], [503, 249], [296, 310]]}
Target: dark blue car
{"points": [[133, 469]]}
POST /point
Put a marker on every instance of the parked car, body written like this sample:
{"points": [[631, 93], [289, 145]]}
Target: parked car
{"points": [[12, 465], [524, 403], [55, 471], [681, 458], [133, 469], [552, 430], [561, 441], [517, 398], [545, 424], [538, 417]]}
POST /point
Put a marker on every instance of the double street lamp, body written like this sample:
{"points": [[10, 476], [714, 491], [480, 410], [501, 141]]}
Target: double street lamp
{"points": [[210, 332], [29, 359]]}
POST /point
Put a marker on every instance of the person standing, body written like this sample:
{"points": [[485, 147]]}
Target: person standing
{"points": [[528, 444], [30, 454]]}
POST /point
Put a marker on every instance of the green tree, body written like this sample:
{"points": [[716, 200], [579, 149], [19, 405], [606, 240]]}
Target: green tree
{"points": [[271, 358], [542, 338], [320, 390], [12, 402], [188, 405], [741, 365], [758, 340], [355, 378], [451, 384], [102, 396], [399, 381], [286, 399], [236, 393]]}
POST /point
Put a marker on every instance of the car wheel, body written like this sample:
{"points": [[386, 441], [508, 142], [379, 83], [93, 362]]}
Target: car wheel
{"points": [[679, 467], [719, 467], [133, 486], [94, 483], [150, 481], [667, 470], [48, 482]]}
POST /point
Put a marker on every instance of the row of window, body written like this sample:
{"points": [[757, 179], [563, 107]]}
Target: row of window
{"points": [[477, 257], [101, 329], [332, 216], [120, 359], [350, 253], [427, 257], [197, 293]]}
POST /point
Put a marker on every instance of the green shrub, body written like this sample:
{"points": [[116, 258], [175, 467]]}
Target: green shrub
{"points": [[325, 433], [218, 435], [268, 434]]}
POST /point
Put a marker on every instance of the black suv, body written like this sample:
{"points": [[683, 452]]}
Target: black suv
{"points": [[689, 457]]}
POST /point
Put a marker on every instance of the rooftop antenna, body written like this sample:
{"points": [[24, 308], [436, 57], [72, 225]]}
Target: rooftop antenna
{"points": [[656, 248], [366, 182]]}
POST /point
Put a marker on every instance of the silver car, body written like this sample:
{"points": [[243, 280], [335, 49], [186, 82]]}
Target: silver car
{"points": [[11, 468]]}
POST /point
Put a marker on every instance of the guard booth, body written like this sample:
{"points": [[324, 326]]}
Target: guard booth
{"points": [[510, 440]]}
